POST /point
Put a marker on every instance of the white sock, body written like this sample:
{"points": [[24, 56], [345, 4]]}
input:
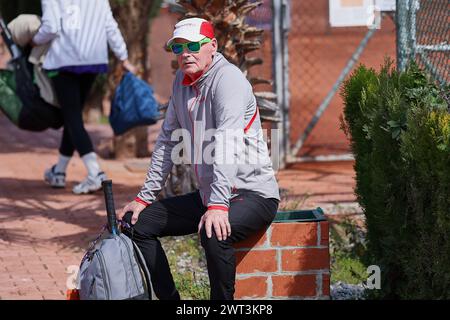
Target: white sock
{"points": [[62, 164], [91, 163]]}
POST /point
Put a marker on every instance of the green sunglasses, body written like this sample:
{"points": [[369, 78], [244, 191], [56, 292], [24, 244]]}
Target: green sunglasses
{"points": [[193, 47]]}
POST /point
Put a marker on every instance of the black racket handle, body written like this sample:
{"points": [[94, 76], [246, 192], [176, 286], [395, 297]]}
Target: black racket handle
{"points": [[110, 210]]}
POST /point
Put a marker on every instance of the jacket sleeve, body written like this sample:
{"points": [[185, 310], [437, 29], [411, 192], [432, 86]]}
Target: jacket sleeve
{"points": [[231, 98], [50, 27], [161, 162], [114, 36]]}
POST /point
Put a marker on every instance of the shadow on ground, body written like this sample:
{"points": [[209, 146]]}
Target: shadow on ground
{"points": [[73, 221], [15, 140]]}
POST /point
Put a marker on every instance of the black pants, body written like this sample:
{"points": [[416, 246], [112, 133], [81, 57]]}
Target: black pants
{"points": [[181, 215], [72, 90]]}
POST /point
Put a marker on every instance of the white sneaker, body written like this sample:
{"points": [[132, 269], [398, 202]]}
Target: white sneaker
{"points": [[90, 184], [55, 179]]}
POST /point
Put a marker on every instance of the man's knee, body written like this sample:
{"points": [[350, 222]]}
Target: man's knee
{"points": [[208, 242], [139, 231], [204, 240], [213, 243]]}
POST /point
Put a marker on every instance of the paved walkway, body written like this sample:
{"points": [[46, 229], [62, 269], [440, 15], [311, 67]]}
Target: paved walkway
{"points": [[43, 232]]}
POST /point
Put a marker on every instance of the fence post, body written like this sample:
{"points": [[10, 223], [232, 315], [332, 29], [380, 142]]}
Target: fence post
{"points": [[281, 25], [403, 37]]}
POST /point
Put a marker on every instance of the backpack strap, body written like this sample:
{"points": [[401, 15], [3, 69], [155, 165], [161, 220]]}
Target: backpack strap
{"points": [[143, 265]]}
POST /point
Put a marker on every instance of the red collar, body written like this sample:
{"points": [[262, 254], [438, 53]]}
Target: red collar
{"points": [[187, 81]]}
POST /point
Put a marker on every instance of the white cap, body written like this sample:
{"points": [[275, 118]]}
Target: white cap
{"points": [[192, 29]]}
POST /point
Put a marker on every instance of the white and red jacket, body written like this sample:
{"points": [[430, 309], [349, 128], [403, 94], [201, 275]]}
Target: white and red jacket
{"points": [[223, 139]]}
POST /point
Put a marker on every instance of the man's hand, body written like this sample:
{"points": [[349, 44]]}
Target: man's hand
{"points": [[134, 207], [217, 219]]}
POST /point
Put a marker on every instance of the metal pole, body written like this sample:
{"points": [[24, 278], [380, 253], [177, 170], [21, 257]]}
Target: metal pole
{"points": [[414, 6], [277, 71], [286, 26], [279, 65], [401, 19]]}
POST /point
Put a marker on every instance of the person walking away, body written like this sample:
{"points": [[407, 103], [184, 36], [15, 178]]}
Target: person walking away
{"points": [[79, 32]]}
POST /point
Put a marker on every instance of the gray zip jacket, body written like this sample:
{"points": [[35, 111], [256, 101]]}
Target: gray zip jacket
{"points": [[217, 119]]}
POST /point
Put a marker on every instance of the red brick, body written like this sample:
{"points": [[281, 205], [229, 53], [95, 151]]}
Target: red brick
{"points": [[54, 296], [256, 261], [254, 287], [7, 254], [305, 259], [13, 265], [28, 289], [324, 233], [326, 285], [36, 268], [294, 234], [256, 240], [34, 296], [18, 298], [10, 288], [12, 260], [4, 275], [294, 286], [47, 286]]}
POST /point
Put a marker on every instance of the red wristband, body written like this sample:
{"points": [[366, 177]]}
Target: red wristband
{"points": [[218, 207], [137, 199]]}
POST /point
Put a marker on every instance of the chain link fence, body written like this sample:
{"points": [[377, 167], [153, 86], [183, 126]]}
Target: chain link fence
{"points": [[424, 36], [321, 55]]}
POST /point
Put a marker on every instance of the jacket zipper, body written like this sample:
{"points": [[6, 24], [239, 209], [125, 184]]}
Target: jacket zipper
{"points": [[193, 127]]}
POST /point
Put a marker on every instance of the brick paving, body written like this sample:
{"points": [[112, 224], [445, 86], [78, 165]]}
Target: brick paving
{"points": [[43, 232]]}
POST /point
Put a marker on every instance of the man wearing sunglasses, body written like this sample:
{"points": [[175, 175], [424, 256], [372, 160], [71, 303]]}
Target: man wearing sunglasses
{"points": [[214, 103]]}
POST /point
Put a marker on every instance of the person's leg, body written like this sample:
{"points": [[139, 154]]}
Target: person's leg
{"points": [[174, 216], [72, 91], [68, 89], [87, 81], [66, 147], [90, 160], [248, 214]]}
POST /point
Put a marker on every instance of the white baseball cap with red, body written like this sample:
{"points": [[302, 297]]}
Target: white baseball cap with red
{"points": [[192, 29]]}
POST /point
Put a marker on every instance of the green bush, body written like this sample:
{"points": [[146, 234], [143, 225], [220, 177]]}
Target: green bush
{"points": [[399, 127], [347, 247]]}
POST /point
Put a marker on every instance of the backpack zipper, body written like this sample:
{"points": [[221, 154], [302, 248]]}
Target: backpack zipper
{"points": [[131, 262], [104, 274]]}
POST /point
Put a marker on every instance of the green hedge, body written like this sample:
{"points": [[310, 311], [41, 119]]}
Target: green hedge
{"points": [[399, 127]]}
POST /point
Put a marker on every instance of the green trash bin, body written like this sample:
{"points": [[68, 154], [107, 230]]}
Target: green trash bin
{"points": [[315, 215]]}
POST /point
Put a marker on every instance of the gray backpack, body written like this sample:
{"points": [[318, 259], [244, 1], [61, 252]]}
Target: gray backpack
{"points": [[113, 268]]}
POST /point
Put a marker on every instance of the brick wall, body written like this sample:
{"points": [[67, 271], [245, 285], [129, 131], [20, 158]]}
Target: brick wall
{"points": [[290, 260]]}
